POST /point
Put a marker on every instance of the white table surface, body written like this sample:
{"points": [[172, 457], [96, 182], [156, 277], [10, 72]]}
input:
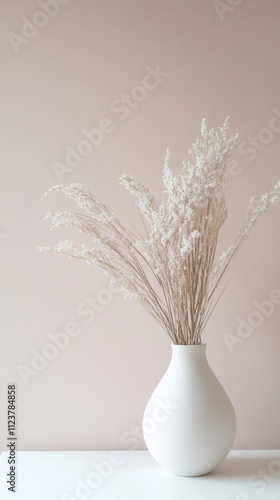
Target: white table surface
{"points": [[244, 475]]}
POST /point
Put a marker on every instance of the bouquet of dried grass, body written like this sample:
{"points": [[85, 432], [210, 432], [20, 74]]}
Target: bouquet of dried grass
{"points": [[171, 267]]}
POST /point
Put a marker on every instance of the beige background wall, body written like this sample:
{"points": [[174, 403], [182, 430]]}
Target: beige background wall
{"points": [[69, 75]]}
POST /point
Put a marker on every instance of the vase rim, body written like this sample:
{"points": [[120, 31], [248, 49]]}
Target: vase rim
{"points": [[197, 346]]}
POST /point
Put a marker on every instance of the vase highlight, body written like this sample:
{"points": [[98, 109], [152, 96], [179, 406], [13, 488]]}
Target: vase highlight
{"points": [[189, 422]]}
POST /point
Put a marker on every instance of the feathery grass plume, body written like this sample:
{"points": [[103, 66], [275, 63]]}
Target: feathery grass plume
{"points": [[171, 267]]}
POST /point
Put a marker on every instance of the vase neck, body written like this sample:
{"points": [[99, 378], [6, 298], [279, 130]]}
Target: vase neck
{"points": [[188, 353], [195, 349]]}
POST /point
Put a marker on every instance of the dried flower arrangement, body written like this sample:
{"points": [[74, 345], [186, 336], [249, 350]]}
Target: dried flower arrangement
{"points": [[171, 268]]}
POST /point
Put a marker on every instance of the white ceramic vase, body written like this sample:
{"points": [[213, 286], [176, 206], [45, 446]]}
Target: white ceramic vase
{"points": [[189, 421]]}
